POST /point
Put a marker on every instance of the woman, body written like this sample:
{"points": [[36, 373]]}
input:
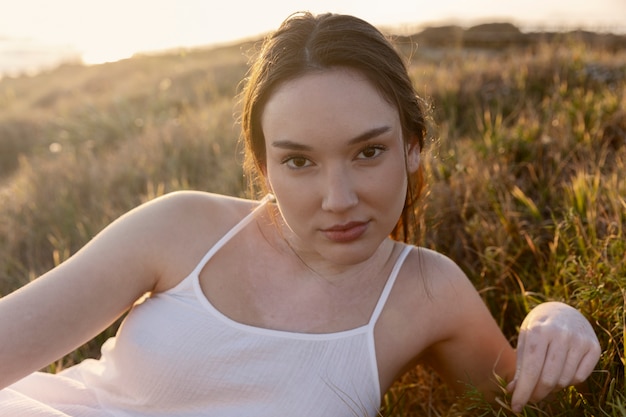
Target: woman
{"points": [[305, 303]]}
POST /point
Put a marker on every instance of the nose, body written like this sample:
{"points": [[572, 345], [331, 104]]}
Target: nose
{"points": [[339, 193]]}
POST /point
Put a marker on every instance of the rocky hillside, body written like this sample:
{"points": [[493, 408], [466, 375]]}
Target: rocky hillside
{"points": [[501, 35]]}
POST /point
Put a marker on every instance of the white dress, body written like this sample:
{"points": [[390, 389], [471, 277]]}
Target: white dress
{"points": [[175, 354]]}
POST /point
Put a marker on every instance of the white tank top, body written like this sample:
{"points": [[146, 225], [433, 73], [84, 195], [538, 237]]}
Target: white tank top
{"points": [[177, 355]]}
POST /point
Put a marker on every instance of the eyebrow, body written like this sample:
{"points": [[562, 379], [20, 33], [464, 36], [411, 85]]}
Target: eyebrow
{"points": [[363, 137]]}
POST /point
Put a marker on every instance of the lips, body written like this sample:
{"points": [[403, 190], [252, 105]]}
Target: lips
{"points": [[347, 232]]}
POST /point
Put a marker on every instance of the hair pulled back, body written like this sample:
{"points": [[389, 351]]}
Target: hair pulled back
{"points": [[305, 43]]}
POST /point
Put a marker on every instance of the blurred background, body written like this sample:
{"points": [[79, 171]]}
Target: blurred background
{"points": [[39, 34], [524, 162]]}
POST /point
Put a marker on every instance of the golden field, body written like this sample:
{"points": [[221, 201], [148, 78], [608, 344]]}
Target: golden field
{"points": [[525, 170]]}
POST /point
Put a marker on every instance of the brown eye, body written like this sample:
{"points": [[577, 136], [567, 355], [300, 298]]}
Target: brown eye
{"points": [[371, 152], [297, 162]]}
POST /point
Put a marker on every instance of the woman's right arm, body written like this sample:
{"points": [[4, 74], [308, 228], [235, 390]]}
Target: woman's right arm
{"points": [[69, 305]]}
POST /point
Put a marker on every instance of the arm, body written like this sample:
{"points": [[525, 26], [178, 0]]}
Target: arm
{"points": [[557, 346], [72, 303], [469, 349]]}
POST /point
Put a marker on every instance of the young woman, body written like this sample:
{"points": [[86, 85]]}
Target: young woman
{"points": [[306, 303]]}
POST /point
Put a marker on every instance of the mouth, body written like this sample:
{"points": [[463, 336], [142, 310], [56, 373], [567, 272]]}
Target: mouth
{"points": [[343, 233]]}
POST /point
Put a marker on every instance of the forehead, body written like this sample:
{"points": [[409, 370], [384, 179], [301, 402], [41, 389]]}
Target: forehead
{"points": [[333, 102]]}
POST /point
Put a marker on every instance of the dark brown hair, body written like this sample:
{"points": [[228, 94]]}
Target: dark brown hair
{"points": [[305, 43]]}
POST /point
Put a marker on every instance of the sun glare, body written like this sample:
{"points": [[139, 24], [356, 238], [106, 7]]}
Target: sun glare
{"points": [[118, 29]]}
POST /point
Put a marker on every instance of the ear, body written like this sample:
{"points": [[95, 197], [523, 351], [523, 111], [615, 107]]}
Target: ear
{"points": [[413, 151]]}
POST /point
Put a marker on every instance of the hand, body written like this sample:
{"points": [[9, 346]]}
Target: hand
{"points": [[557, 348]]}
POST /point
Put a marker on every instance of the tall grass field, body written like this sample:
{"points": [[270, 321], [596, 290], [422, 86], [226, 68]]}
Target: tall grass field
{"points": [[525, 168]]}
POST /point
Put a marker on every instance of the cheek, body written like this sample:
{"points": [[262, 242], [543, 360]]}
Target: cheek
{"points": [[295, 211], [290, 196], [395, 179], [391, 190]]}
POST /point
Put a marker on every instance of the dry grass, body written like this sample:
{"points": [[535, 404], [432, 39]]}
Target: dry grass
{"points": [[525, 173]]}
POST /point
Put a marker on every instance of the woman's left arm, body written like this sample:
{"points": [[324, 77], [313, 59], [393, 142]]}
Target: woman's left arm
{"points": [[557, 347]]}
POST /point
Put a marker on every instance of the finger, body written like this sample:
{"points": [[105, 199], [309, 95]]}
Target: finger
{"points": [[581, 360], [553, 368], [510, 387], [571, 366], [576, 357], [587, 364], [530, 367]]}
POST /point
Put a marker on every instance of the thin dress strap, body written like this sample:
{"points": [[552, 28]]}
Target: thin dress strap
{"points": [[229, 235], [389, 285]]}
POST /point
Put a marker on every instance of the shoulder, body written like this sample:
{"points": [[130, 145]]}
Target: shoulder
{"points": [[435, 272], [435, 288], [190, 212], [432, 302], [176, 230], [458, 337], [198, 202]]}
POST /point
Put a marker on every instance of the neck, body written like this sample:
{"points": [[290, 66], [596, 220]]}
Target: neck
{"points": [[335, 272]]}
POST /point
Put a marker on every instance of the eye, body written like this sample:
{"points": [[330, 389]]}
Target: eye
{"points": [[296, 162], [371, 152]]}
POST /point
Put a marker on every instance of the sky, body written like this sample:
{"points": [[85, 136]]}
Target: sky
{"points": [[100, 31]]}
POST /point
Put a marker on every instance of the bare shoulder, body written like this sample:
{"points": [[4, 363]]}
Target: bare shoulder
{"points": [[433, 289], [451, 295], [195, 210], [178, 228], [460, 338], [436, 274], [184, 215], [427, 306]]}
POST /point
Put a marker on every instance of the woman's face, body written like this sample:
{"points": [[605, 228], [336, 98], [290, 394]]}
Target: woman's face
{"points": [[336, 164]]}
